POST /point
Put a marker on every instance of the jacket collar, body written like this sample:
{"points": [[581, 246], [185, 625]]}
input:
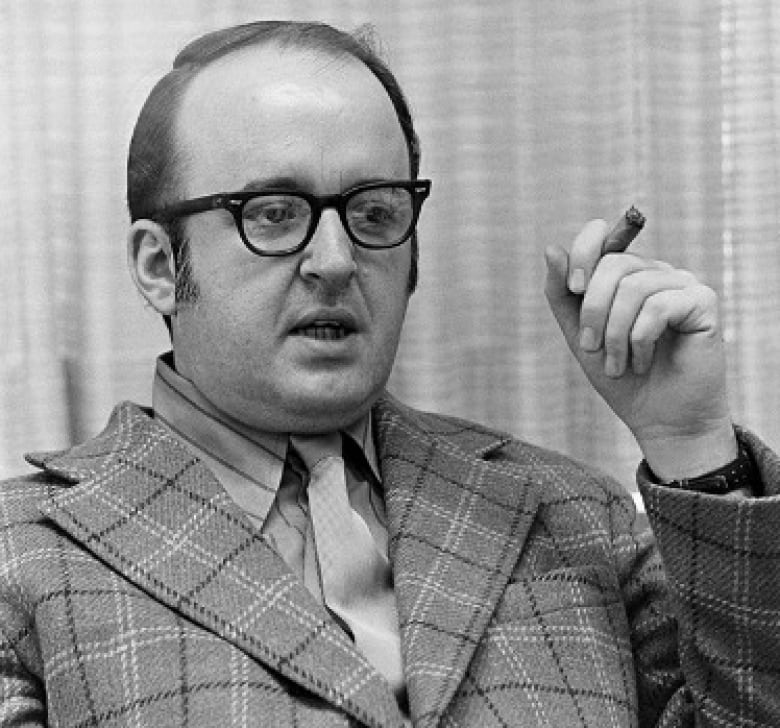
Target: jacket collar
{"points": [[457, 522], [148, 508]]}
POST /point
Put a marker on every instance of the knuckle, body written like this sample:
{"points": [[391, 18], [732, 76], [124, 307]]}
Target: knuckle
{"points": [[707, 294], [587, 244], [688, 278], [611, 261], [630, 285], [655, 306]]}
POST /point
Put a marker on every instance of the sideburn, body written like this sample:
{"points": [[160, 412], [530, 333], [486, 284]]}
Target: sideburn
{"points": [[186, 289]]}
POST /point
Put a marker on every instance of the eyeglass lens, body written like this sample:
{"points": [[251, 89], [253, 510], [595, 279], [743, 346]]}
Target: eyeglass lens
{"points": [[377, 217]]}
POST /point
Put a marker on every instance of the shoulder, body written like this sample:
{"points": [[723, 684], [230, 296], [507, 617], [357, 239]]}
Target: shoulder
{"points": [[581, 515], [561, 476], [21, 498], [29, 542]]}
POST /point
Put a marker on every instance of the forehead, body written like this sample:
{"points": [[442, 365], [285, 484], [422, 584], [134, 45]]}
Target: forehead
{"points": [[272, 106]]}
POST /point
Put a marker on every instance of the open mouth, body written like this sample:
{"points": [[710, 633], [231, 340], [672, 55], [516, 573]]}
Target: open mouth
{"points": [[324, 331]]}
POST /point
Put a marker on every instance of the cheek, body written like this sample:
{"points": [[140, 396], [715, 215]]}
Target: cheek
{"points": [[387, 297], [229, 361], [239, 332], [229, 329], [385, 276], [238, 292]]}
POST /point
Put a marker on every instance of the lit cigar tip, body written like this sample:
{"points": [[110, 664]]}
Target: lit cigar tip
{"points": [[628, 226], [634, 217]]}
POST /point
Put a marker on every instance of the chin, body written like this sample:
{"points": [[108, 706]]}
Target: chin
{"points": [[330, 408]]}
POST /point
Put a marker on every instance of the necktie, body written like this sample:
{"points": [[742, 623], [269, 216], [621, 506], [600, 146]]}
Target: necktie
{"points": [[355, 577]]}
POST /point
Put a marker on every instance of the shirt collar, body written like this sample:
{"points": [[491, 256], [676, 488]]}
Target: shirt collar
{"points": [[181, 406]]}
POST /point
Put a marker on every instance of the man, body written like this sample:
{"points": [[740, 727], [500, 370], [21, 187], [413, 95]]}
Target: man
{"points": [[210, 561]]}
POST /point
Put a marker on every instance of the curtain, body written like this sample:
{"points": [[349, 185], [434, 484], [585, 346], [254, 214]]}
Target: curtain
{"points": [[534, 117]]}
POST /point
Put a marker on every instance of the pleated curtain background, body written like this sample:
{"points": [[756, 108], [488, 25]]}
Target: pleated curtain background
{"points": [[534, 115]]}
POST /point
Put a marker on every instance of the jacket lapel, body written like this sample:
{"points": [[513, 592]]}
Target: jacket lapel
{"points": [[457, 525], [148, 508]]}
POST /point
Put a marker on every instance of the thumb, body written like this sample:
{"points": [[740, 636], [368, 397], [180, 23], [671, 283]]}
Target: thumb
{"points": [[564, 304]]}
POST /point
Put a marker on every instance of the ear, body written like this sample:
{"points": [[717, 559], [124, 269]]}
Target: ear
{"points": [[152, 266]]}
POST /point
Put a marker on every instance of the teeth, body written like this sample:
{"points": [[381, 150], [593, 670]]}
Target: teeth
{"points": [[324, 331]]}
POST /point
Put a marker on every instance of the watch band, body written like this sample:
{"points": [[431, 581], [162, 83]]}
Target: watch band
{"points": [[741, 472]]}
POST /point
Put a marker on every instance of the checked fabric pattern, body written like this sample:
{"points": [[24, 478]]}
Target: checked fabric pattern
{"points": [[134, 592]]}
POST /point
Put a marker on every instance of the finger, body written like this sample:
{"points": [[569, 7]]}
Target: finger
{"points": [[601, 291], [585, 254], [564, 305], [686, 310], [557, 260], [632, 292]]}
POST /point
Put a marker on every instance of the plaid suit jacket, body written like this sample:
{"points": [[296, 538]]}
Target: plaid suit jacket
{"points": [[134, 593]]}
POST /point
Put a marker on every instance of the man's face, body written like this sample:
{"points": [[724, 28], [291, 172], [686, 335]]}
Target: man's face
{"points": [[251, 341]]}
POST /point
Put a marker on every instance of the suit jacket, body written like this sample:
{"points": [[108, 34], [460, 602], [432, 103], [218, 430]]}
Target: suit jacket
{"points": [[134, 592]]}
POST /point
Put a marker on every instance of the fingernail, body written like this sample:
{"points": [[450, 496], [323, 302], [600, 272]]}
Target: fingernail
{"points": [[588, 339], [577, 281], [611, 366], [639, 362]]}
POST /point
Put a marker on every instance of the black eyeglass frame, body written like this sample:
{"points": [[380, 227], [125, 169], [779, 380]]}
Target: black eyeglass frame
{"points": [[234, 203]]}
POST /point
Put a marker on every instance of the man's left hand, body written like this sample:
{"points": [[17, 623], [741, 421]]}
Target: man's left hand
{"points": [[647, 335]]}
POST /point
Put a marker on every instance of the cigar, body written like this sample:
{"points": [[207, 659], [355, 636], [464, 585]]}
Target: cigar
{"points": [[624, 231]]}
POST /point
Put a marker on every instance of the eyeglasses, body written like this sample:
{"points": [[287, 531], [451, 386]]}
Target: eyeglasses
{"points": [[281, 222]]}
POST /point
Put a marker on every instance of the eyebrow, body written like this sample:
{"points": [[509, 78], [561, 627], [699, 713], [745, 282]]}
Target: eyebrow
{"points": [[286, 182], [283, 182]]}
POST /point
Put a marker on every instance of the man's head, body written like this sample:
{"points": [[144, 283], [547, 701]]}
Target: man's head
{"points": [[153, 159], [304, 341]]}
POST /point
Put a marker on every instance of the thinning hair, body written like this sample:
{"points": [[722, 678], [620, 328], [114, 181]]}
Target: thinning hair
{"points": [[155, 160]]}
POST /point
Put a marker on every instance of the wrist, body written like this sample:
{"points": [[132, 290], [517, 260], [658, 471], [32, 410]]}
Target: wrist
{"points": [[738, 477], [683, 456]]}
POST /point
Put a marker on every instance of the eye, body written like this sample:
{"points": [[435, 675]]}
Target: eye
{"points": [[375, 213], [273, 210], [270, 215], [381, 207]]}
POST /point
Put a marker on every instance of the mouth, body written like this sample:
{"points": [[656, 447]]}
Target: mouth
{"points": [[324, 330], [326, 324]]}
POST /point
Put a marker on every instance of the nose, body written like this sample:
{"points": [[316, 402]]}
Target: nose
{"points": [[329, 257]]}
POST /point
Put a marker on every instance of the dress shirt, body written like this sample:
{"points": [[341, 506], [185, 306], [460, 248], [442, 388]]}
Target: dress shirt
{"points": [[263, 477]]}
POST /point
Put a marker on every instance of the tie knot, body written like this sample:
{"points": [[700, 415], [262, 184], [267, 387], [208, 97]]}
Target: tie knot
{"points": [[313, 448]]}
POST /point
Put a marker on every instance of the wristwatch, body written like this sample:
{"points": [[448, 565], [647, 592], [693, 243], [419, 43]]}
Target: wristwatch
{"points": [[740, 473]]}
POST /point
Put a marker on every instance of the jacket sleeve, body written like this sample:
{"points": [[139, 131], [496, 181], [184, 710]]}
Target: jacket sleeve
{"points": [[721, 558], [22, 696]]}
